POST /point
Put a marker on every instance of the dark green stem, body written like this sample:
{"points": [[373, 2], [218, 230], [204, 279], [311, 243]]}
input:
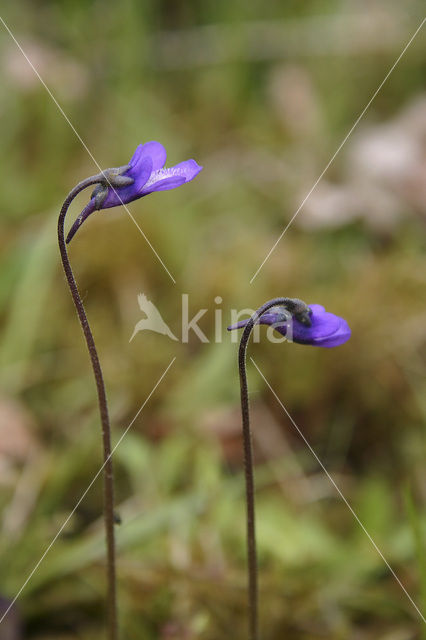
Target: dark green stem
{"points": [[295, 307], [103, 409]]}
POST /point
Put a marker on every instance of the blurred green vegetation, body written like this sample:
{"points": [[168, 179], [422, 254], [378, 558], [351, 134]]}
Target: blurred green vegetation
{"points": [[262, 96]]}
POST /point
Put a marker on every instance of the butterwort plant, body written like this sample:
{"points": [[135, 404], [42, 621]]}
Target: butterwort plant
{"points": [[302, 324], [144, 174]]}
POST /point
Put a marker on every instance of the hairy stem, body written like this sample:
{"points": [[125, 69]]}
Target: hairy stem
{"points": [[292, 306], [103, 410]]}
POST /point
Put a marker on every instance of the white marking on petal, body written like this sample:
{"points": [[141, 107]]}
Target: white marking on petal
{"points": [[161, 174]]}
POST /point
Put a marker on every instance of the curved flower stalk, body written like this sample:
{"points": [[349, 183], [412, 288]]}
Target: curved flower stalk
{"points": [[311, 325], [144, 174]]}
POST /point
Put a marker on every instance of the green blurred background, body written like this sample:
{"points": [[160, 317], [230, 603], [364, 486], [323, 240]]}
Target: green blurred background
{"points": [[261, 95]]}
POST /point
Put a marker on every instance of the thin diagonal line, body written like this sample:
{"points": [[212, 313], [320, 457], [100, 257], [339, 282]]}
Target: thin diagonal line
{"points": [[341, 144], [62, 112], [342, 496], [84, 494]]}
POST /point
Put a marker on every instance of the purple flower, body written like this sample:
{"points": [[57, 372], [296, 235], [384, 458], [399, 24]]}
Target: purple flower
{"points": [[326, 330], [144, 174]]}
